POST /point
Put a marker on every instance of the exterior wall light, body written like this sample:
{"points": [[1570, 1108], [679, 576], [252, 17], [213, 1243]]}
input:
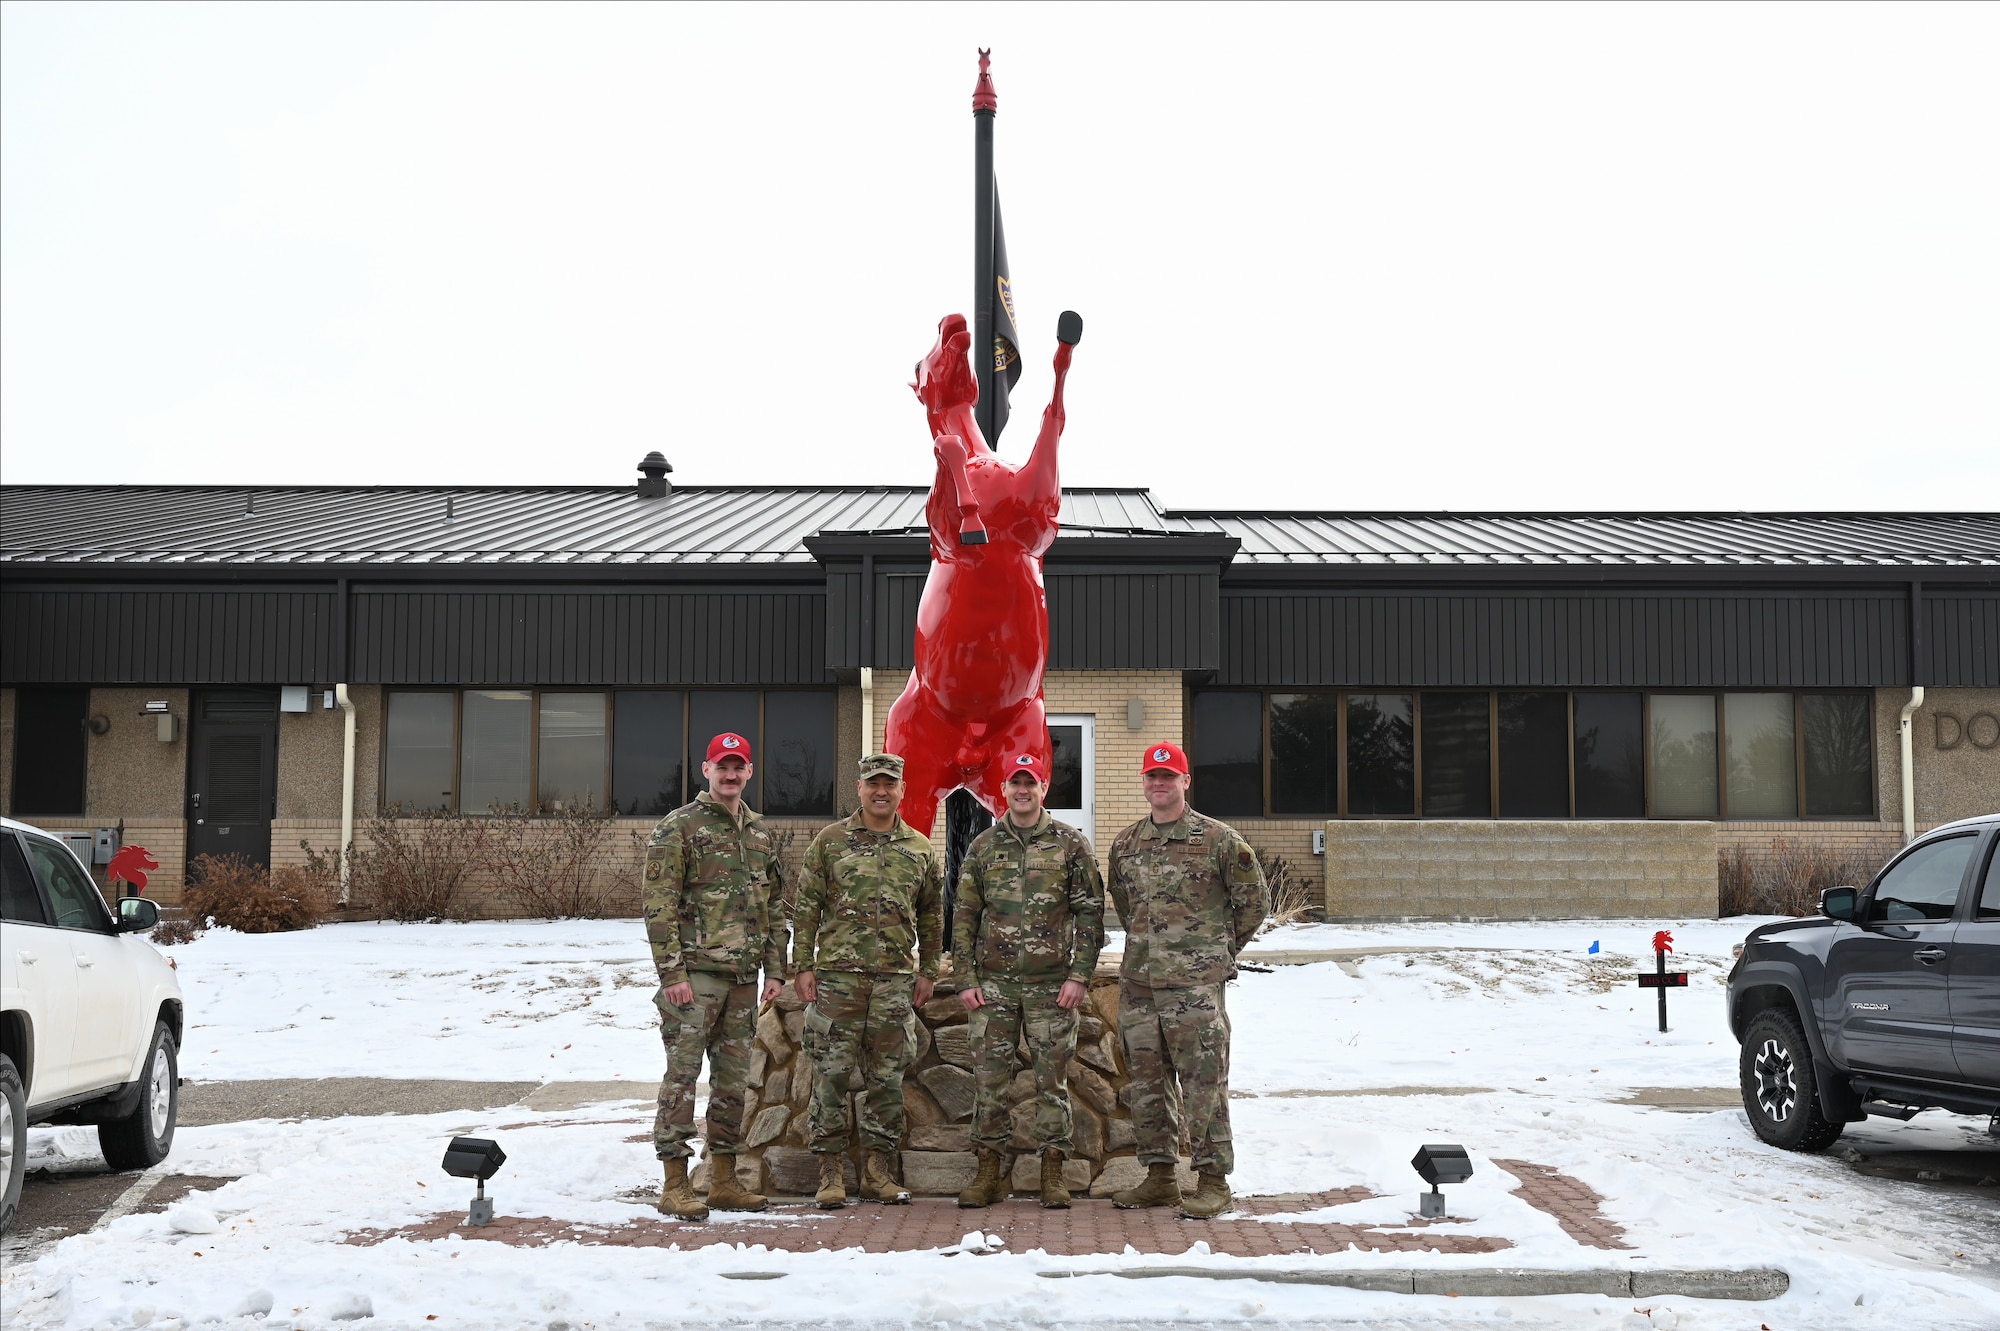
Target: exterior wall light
{"points": [[1439, 1164], [475, 1158]]}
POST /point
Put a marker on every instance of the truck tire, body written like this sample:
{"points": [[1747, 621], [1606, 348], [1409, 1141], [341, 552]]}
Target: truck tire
{"points": [[13, 1141], [1779, 1091], [143, 1137]]}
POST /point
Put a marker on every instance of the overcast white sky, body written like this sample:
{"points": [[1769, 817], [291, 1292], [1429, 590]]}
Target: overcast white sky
{"points": [[1413, 256]]}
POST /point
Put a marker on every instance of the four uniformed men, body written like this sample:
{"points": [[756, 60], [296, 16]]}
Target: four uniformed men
{"points": [[867, 949]]}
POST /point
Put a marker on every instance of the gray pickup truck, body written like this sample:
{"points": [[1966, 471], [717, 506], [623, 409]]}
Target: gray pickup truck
{"points": [[1886, 1003]]}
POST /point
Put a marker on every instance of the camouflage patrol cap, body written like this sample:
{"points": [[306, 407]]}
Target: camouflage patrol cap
{"points": [[882, 764]]}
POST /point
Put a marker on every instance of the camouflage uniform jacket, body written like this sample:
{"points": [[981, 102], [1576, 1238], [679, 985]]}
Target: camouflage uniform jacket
{"points": [[1030, 905], [866, 899], [715, 895], [1191, 894]]}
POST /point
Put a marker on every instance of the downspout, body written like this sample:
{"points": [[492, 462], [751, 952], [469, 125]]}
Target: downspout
{"points": [[347, 783], [867, 655], [1909, 782], [867, 710]]}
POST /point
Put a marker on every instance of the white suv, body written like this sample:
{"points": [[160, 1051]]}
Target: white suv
{"points": [[90, 1015]]}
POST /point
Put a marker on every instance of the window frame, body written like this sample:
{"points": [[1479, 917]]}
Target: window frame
{"points": [[690, 770], [1646, 695]]}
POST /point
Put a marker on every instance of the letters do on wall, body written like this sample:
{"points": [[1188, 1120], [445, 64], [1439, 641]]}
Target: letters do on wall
{"points": [[1981, 730]]}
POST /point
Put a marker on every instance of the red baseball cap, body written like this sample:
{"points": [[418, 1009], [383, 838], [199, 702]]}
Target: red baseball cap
{"points": [[1029, 763], [1164, 756], [728, 744]]}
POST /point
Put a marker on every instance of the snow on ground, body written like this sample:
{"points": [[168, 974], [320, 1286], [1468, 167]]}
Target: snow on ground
{"points": [[1488, 1006]]}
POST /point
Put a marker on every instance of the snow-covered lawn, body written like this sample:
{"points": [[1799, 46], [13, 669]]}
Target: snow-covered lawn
{"points": [[1552, 1036]]}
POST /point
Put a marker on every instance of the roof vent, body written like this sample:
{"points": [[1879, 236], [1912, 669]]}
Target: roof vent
{"points": [[654, 483]]}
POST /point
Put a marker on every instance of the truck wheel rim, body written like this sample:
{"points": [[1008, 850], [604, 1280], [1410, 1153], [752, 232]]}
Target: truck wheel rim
{"points": [[1777, 1087], [160, 1094], [6, 1147]]}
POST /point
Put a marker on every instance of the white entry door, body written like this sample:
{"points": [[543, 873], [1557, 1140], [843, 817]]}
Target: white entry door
{"points": [[1073, 773]]}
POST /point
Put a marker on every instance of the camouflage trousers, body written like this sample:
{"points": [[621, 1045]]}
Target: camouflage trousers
{"points": [[859, 1034], [1016, 1013], [721, 1022], [1177, 1048]]}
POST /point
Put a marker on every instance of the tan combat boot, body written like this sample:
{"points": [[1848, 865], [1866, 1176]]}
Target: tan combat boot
{"points": [[991, 1183], [1055, 1196], [725, 1193], [677, 1199], [1211, 1197], [1159, 1189], [878, 1184], [832, 1185]]}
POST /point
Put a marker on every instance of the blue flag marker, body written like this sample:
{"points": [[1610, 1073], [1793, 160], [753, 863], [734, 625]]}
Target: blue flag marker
{"points": [[1593, 947]]}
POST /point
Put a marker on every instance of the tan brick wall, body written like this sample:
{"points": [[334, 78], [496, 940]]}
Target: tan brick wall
{"points": [[1519, 870], [166, 838], [1102, 695]]}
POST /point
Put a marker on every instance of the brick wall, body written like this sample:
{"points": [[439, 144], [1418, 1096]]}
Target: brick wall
{"points": [[1519, 870], [166, 838]]}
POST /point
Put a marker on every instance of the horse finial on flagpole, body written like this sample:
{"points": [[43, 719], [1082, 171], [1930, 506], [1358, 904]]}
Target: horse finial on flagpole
{"points": [[983, 96]]}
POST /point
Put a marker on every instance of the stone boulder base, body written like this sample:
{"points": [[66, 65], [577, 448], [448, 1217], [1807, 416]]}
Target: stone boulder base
{"points": [[938, 1173]]}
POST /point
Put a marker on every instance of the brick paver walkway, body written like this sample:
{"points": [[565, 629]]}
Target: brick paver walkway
{"points": [[1088, 1228], [1571, 1201]]}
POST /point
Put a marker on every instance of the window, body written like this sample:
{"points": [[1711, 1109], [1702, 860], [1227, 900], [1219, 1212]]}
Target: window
{"points": [[1534, 755], [19, 899], [710, 713], [1228, 757], [1839, 739], [1683, 741], [649, 751], [77, 902], [1381, 769], [1989, 895], [50, 751], [1305, 753], [494, 757], [1923, 885], [1763, 763], [420, 751], [1610, 755], [570, 766], [1480, 753], [640, 750], [1458, 755], [797, 761]]}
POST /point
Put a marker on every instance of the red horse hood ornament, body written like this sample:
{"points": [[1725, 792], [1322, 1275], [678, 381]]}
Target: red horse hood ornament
{"points": [[974, 699]]}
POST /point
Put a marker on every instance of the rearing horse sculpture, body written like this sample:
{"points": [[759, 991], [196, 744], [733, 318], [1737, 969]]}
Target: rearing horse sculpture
{"points": [[974, 702]]}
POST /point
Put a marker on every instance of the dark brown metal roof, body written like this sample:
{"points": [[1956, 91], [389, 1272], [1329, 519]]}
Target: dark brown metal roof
{"points": [[749, 525]]}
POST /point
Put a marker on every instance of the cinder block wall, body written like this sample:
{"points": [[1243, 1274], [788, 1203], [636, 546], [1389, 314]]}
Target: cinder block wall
{"points": [[1525, 870]]}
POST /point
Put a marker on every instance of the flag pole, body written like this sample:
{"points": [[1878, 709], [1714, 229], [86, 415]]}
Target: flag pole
{"points": [[985, 105]]}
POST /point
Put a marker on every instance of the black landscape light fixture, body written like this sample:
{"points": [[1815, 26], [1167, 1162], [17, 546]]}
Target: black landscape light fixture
{"points": [[1437, 1164], [477, 1158]]}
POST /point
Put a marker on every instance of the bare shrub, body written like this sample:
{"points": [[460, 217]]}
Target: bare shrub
{"points": [[1788, 879], [1291, 893], [238, 894], [561, 865], [417, 864], [177, 928]]}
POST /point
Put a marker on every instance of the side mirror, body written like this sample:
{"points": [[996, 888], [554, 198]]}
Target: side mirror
{"points": [[1840, 903], [136, 914]]}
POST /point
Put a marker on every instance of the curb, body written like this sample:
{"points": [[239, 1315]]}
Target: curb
{"points": [[1751, 1285]]}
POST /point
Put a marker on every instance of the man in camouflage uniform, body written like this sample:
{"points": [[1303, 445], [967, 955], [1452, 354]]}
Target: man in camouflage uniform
{"points": [[1191, 894], [870, 895], [1028, 926], [714, 914]]}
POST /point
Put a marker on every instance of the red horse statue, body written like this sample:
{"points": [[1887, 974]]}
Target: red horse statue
{"points": [[974, 702]]}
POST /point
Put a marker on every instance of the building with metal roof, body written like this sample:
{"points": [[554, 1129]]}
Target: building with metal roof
{"points": [[1342, 679]]}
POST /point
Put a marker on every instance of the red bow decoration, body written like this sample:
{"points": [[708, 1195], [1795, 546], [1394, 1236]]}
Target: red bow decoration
{"points": [[1663, 941]]}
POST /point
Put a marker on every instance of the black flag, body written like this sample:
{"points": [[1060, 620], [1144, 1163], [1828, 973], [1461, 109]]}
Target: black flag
{"points": [[1006, 342]]}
